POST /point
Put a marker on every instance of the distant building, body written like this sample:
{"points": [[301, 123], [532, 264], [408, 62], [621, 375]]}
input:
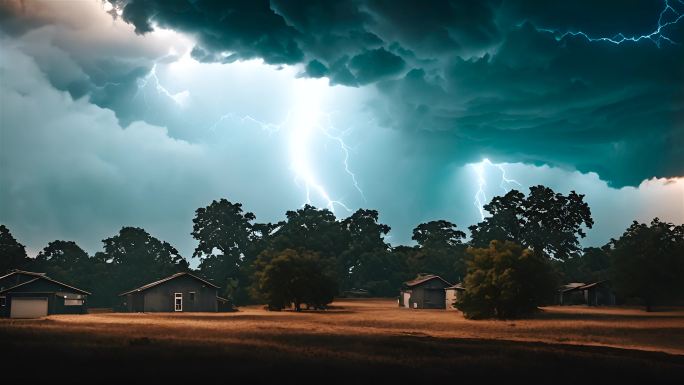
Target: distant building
{"points": [[181, 292], [26, 294], [590, 294], [424, 292], [452, 294]]}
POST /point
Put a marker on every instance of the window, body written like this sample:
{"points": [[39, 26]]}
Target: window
{"points": [[73, 302], [178, 302], [3, 301], [192, 296]]}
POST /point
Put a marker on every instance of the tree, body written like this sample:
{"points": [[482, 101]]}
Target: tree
{"points": [[593, 264], [505, 280], [311, 229], [648, 262], [226, 236], [63, 260], [440, 250], [12, 253], [366, 244], [140, 257], [297, 277], [545, 222]]}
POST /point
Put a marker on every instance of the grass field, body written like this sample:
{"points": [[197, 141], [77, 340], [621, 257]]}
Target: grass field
{"points": [[356, 341]]}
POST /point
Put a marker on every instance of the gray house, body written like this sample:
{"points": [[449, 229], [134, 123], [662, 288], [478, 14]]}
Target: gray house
{"points": [[25, 294], [424, 292], [181, 292]]}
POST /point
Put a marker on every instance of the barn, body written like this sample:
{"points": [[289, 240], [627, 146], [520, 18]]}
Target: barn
{"points": [[26, 294], [181, 292], [424, 292]]}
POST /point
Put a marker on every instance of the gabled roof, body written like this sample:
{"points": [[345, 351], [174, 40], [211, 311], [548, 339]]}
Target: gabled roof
{"points": [[39, 277], [458, 286], [580, 286], [14, 272], [424, 278], [155, 283]]}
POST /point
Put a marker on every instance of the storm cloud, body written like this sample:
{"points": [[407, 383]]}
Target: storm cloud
{"points": [[132, 112], [494, 77]]}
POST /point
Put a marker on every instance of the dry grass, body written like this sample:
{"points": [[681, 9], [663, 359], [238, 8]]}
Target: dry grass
{"points": [[373, 332]]}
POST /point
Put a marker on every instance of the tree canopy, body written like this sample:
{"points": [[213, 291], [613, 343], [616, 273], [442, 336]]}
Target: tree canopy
{"points": [[648, 262], [505, 280], [12, 253], [295, 277], [546, 222]]}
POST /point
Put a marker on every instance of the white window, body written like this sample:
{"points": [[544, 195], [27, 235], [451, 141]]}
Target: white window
{"points": [[178, 302], [73, 302]]}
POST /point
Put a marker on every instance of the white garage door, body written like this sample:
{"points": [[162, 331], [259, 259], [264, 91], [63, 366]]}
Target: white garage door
{"points": [[29, 307]]}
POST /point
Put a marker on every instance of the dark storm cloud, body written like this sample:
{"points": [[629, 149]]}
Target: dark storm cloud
{"points": [[465, 78], [477, 77]]}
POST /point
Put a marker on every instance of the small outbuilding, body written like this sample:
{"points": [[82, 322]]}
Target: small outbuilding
{"points": [[181, 292], [452, 294], [591, 294], [26, 294], [424, 292]]}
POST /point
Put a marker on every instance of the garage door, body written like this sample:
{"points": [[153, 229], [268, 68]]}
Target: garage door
{"points": [[29, 307]]}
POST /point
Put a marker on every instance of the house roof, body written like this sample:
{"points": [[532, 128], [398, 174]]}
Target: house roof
{"points": [[155, 283], [593, 284], [581, 285], [422, 279], [40, 276], [13, 272], [458, 286]]}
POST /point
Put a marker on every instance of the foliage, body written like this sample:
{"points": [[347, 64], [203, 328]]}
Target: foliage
{"points": [[12, 253], [138, 257], [229, 241], [648, 262], [440, 250], [504, 281], [592, 265], [546, 222], [295, 277]]}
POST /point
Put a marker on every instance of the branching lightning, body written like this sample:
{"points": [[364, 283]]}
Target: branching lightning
{"points": [[178, 98], [480, 198], [667, 17], [301, 125]]}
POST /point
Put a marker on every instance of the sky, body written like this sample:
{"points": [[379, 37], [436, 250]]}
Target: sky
{"points": [[136, 113]]}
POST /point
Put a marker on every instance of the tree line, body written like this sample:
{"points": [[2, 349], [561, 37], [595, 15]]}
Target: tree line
{"points": [[513, 262]]}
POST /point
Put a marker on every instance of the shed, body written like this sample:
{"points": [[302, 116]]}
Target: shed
{"points": [[452, 294], [590, 294], [181, 292], [25, 294], [424, 292]]}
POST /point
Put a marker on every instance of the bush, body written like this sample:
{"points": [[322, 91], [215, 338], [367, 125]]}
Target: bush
{"points": [[505, 281]]}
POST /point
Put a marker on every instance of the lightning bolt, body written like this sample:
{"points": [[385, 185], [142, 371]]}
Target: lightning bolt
{"points": [[667, 17], [302, 124], [151, 76], [480, 198]]}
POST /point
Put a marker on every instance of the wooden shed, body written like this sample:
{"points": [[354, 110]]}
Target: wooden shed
{"points": [[25, 294], [181, 292], [591, 294], [424, 292], [452, 294]]}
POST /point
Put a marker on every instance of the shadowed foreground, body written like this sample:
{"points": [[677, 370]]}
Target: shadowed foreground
{"points": [[356, 342]]}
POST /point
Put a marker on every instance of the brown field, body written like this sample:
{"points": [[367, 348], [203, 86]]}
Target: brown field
{"points": [[358, 341]]}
